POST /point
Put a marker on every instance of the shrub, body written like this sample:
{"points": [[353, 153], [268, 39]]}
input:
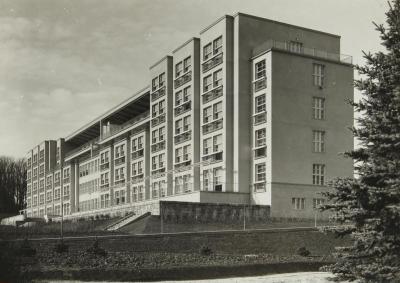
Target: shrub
{"points": [[26, 249], [96, 249], [61, 247], [303, 251], [205, 250]]}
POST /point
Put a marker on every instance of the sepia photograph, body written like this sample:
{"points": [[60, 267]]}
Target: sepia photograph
{"points": [[200, 141]]}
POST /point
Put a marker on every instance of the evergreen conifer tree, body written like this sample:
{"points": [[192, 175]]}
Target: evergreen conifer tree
{"points": [[368, 207]]}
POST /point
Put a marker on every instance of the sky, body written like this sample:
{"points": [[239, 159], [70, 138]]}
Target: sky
{"points": [[63, 63]]}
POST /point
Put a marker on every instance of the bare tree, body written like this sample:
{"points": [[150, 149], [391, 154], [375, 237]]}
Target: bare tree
{"points": [[12, 184]]}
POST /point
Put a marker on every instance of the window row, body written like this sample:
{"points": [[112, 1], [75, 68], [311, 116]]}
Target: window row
{"points": [[89, 186], [158, 108], [89, 168], [212, 48], [182, 125], [182, 154], [157, 82], [183, 67], [300, 203], [212, 144], [158, 135], [212, 81], [213, 112]]}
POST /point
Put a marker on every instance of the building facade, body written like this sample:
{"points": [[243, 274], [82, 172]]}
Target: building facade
{"points": [[252, 111]]}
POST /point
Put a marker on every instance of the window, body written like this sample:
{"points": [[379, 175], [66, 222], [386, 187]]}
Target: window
{"points": [[178, 155], [298, 203], [217, 143], [161, 80], [207, 82], [154, 136], [154, 160], [140, 142], [318, 174], [186, 151], [104, 157], [319, 141], [318, 74], [207, 50], [260, 172], [154, 84], [178, 98], [66, 191], [260, 70], [161, 159], [295, 46], [119, 151], [217, 110], [186, 123], [207, 143], [217, 175], [217, 77], [217, 45], [154, 190], [207, 114], [161, 107], [140, 167], [318, 108], [178, 126], [260, 104], [154, 110], [161, 133], [318, 202], [186, 64], [206, 180], [186, 94], [178, 69], [260, 138]]}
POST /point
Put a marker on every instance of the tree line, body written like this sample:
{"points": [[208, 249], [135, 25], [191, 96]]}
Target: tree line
{"points": [[12, 184]]}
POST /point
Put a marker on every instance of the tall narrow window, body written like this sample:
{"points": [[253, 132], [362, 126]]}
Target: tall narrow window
{"points": [[295, 46], [260, 172], [186, 64], [298, 203], [260, 71], [217, 143], [217, 45], [178, 69], [217, 78], [318, 176], [186, 93], [207, 51], [319, 141], [259, 104], [217, 110], [318, 74], [260, 138], [207, 83], [161, 80], [318, 108]]}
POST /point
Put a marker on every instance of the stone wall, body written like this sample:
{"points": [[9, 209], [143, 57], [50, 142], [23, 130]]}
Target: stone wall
{"points": [[190, 212]]}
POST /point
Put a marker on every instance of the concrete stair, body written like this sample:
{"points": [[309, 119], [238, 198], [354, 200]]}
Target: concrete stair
{"points": [[130, 218]]}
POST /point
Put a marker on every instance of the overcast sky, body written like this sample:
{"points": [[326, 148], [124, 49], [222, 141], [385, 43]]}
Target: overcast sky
{"points": [[62, 63]]}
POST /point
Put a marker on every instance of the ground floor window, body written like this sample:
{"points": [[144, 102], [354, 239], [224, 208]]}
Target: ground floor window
{"points": [[298, 203]]}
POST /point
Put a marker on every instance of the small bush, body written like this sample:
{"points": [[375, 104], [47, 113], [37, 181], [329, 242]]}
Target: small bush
{"points": [[96, 249], [26, 249], [205, 250], [61, 247], [303, 251]]}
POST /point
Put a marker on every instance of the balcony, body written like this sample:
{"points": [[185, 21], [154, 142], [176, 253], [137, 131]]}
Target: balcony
{"points": [[158, 120], [120, 182], [119, 128], [158, 93], [259, 118], [57, 183], [279, 45], [213, 157], [187, 106], [104, 166], [260, 187], [211, 63], [260, 84], [105, 185], [180, 138], [183, 79], [158, 146], [81, 149], [212, 126], [137, 178], [212, 94], [137, 154], [66, 180], [119, 160]]}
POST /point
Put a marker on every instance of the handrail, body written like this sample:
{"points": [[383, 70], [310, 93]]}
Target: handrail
{"points": [[274, 44], [126, 125]]}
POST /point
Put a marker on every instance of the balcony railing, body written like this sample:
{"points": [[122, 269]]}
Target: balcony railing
{"points": [[158, 120], [158, 146], [137, 154], [183, 79], [158, 93], [83, 147], [212, 94], [213, 157], [118, 128], [187, 106], [213, 126], [211, 63], [104, 166], [260, 118], [183, 137], [260, 187], [260, 84], [304, 50], [119, 160]]}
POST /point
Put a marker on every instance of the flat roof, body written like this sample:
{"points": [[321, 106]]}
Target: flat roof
{"points": [[108, 113]]}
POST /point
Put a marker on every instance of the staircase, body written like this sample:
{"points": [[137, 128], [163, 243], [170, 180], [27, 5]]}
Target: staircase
{"points": [[125, 221]]}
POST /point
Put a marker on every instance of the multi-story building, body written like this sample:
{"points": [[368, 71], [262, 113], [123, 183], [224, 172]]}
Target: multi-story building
{"points": [[252, 111]]}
